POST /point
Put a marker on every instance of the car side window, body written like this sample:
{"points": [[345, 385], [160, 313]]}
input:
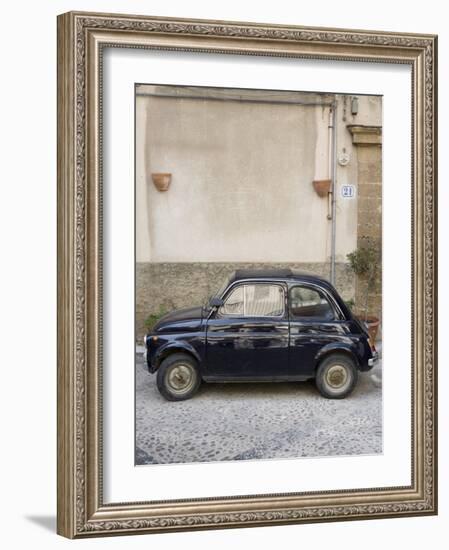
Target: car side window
{"points": [[254, 300], [306, 302], [234, 303]]}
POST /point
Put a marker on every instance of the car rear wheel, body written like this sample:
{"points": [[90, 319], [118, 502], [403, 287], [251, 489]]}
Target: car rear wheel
{"points": [[178, 377], [336, 376]]}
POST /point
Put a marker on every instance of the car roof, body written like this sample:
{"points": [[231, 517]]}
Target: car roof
{"points": [[276, 273]]}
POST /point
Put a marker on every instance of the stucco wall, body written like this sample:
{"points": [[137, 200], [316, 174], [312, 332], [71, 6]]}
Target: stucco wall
{"points": [[241, 186]]}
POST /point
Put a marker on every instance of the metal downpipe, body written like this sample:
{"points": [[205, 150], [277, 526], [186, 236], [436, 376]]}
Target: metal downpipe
{"points": [[333, 190]]}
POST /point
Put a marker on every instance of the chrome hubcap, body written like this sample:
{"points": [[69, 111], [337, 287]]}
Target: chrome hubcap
{"points": [[181, 378], [336, 377]]}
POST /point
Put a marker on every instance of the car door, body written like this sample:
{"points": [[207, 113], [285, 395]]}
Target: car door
{"points": [[248, 336], [314, 323]]}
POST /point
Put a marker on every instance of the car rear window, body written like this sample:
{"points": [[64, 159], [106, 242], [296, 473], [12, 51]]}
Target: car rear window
{"points": [[306, 302]]}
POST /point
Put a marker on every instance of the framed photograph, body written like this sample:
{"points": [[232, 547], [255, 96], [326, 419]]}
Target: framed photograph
{"points": [[246, 274]]}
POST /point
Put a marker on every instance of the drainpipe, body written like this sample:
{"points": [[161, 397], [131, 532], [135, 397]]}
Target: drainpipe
{"points": [[333, 156]]}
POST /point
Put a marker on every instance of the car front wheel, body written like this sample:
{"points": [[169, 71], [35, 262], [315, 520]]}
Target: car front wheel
{"points": [[178, 377], [336, 376]]}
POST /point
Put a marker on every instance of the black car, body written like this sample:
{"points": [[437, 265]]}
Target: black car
{"points": [[264, 326]]}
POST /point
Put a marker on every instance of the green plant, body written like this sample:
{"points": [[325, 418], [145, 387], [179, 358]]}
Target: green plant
{"points": [[364, 262], [153, 318]]}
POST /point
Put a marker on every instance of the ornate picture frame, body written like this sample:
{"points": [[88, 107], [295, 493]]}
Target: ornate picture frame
{"points": [[82, 38]]}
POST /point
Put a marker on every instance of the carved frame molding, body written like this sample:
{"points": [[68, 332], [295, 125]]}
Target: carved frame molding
{"points": [[81, 39]]}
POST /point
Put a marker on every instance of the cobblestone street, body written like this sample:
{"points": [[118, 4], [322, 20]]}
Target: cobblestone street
{"points": [[254, 421]]}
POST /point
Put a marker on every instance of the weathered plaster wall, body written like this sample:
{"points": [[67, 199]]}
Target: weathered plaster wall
{"points": [[241, 185]]}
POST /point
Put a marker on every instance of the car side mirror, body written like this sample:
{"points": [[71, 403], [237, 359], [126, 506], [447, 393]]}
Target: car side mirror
{"points": [[216, 302]]}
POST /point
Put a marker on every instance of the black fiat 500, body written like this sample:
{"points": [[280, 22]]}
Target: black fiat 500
{"points": [[264, 326]]}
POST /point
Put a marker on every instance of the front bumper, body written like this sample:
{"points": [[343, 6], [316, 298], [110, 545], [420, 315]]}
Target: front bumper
{"points": [[148, 358], [374, 359]]}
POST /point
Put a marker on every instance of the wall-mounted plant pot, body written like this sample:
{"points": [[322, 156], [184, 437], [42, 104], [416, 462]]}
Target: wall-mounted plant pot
{"points": [[322, 187], [161, 181]]}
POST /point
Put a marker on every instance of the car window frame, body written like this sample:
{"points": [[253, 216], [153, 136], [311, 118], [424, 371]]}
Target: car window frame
{"points": [[338, 314], [235, 285]]}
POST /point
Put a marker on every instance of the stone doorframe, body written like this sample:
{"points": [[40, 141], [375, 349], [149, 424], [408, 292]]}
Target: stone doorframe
{"points": [[368, 140]]}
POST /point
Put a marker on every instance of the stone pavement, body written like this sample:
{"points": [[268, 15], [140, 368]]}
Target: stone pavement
{"points": [[256, 421]]}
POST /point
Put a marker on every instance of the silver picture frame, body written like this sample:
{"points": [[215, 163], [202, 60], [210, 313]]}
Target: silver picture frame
{"points": [[82, 38]]}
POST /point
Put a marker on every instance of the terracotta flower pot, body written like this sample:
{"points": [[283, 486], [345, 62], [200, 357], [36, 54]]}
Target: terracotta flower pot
{"points": [[372, 324], [322, 187], [161, 181]]}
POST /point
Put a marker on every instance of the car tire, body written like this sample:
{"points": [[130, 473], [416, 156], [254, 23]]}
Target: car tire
{"points": [[336, 376], [178, 377]]}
